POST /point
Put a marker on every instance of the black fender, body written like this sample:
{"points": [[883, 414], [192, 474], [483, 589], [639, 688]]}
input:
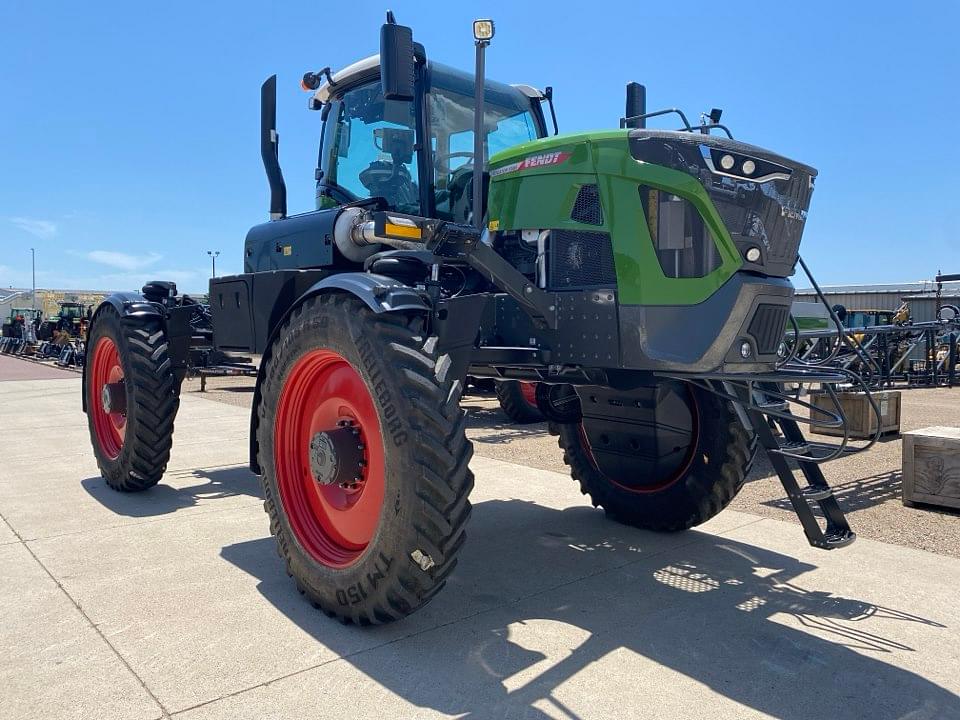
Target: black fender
{"points": [[379, 292]]}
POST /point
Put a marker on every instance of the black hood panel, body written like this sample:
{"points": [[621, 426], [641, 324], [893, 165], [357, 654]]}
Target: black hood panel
{"points": [[769, 215]]}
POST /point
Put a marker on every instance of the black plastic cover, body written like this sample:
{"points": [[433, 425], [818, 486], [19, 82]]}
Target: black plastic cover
{"points": [[768, 215], [295, 242]]}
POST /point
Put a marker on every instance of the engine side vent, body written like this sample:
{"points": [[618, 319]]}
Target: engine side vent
{"points": [[580, 259], [586, 208], [767, 327]]}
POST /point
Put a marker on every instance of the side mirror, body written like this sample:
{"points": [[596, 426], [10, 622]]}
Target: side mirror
{"points": [[396, 61]]}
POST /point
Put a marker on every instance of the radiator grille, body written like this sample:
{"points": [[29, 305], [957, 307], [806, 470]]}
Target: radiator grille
{"points": [[586, 208], [580, 259], [767, 327]]}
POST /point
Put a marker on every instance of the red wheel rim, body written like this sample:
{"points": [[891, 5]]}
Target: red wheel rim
{"points": [[110, 427], [670, 479], [333, 524], [529, 392]]}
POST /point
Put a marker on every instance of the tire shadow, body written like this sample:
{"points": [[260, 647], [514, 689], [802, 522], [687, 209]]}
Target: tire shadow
{"points": [[728, 615], [179, 489]]}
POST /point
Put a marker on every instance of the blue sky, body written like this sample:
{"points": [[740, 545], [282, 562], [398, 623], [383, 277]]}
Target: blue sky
{"points": [[130, 129]]}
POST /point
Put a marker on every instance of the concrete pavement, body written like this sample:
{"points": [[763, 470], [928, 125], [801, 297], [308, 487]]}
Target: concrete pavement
{"points": [[173, 602]]}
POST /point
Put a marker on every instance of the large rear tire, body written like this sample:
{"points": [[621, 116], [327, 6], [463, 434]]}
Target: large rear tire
{"points": [[518, 401], [364, 458], [132, 399], [714, 455]]}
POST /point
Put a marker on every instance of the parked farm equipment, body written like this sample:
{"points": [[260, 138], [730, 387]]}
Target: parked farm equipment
{"points": [[639, 277], [71, 319], [884, 348]]}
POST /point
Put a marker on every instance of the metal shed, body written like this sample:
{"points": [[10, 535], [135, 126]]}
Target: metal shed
{"points": [[920, 295]]}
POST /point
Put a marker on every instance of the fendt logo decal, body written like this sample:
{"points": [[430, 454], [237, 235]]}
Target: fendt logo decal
{"points": [[554, 158]]}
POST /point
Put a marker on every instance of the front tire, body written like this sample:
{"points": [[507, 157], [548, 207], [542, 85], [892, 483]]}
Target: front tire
{"points": [[132, 399], [716, 458], [518, 401], [364, 458]]}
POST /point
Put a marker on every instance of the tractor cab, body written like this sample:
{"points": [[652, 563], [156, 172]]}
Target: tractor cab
{"points": [[71, 319], [417, 155], [72, 310]]}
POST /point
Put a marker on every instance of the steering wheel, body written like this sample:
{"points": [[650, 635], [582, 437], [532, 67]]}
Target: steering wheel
{"points": [[443, 157]]}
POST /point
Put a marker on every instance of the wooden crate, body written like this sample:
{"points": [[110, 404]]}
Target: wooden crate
{"points": [[861, 419], [931, 467]]}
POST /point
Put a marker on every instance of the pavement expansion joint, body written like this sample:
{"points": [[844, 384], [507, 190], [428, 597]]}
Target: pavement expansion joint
{"points": [[88, 619]]}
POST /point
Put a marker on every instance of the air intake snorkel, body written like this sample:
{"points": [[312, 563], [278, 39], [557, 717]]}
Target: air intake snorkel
{"points": [[270, 148]]}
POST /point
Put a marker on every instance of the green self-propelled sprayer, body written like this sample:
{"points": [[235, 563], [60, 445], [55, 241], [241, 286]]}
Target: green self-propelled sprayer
{"points": [[639, 277]]}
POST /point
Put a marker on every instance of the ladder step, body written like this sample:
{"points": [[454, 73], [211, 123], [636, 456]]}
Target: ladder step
{"points": [[839, 538], [812, 492], [773, 406], [797, 447]]}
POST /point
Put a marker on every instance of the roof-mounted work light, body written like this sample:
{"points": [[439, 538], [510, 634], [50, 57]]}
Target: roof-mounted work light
{"points": [[482, 33], [483, 30]]}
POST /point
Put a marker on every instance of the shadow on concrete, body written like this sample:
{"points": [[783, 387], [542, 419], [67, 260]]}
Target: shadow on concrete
{"points": [[164, 498], [502, 429], [723, 613]]}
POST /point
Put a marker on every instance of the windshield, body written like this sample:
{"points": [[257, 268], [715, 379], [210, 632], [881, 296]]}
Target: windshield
{"points": [[508, 121], [371, 148]]}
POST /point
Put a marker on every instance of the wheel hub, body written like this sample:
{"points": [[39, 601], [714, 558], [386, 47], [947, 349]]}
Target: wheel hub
{"points": [[336, 456], [113, 398], [107, 398]]}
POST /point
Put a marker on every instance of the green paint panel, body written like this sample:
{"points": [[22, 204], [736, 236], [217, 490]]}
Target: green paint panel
{"points": [[539, 193]]}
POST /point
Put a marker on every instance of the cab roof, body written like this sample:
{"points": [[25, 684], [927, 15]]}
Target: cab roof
{"points": [[369, 68]]}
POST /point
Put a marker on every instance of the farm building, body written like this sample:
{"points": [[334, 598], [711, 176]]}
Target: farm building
{"points": [[922, 297]]}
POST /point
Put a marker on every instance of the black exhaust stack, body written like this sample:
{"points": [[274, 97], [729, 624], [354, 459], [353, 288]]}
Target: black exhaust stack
{"points": [[636, 105], [270, 148]]}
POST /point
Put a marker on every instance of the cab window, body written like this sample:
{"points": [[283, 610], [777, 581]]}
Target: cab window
{"points": [[369, 149], [508, 123]]}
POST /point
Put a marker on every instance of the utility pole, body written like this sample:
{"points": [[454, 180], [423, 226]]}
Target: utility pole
{"points": [[33, 272], [213, 260]]}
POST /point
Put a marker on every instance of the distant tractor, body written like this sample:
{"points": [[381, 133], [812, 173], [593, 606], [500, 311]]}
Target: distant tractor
{"points": [[70, 319], [14, 324], [639, 277]]}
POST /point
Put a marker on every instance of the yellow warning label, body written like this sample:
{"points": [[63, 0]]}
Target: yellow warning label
{"points": [[288, 249], [404, 231], [493, 225]]}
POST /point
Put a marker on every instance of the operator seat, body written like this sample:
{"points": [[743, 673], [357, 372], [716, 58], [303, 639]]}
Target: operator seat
{"points": [[461, 194]]}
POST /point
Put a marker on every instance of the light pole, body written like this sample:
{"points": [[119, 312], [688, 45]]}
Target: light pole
{"points": [[33, 273], [482, 35], [213, 260]]}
